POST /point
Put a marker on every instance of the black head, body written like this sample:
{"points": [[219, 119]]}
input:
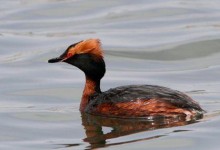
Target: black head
{"points": [[93, 67], [87, 56]]}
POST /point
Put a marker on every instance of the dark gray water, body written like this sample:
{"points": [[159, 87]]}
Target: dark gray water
{"points": [[173, 43]]}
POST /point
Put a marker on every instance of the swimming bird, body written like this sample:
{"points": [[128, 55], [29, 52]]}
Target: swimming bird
{"points": [[131, 101]]}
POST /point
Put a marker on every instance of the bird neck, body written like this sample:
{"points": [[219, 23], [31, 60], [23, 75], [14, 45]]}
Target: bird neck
{"points": [[91, 87]]}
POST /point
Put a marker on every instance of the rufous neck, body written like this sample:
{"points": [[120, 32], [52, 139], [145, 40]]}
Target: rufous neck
{"points": [[91, 87]]}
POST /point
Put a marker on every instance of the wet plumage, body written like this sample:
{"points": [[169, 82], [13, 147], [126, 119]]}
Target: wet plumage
{"points": [[144, 95]]}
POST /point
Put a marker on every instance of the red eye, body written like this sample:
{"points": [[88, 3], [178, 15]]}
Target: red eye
{"points": [[69, 55]]}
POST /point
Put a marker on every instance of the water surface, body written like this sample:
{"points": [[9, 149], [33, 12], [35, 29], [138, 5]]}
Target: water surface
{"points": [[168, 43]]}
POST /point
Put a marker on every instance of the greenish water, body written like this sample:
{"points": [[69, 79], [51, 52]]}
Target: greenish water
{"points": [[169, 43]]}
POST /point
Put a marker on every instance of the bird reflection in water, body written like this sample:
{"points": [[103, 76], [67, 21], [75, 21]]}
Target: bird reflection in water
{"points": [[96, 137]]}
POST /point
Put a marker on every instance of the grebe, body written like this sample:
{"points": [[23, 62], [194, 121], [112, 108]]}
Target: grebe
{"points": [[131, 101]]}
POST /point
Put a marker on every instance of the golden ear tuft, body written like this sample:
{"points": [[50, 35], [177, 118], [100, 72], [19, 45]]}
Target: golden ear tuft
{"points": [[91, 46]]}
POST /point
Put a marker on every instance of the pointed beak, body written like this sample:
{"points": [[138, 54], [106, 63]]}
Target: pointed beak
{"points": [[55, 60], [61, 58]]}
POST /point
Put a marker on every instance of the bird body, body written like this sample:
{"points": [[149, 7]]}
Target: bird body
{"points": [[131, 101]]}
